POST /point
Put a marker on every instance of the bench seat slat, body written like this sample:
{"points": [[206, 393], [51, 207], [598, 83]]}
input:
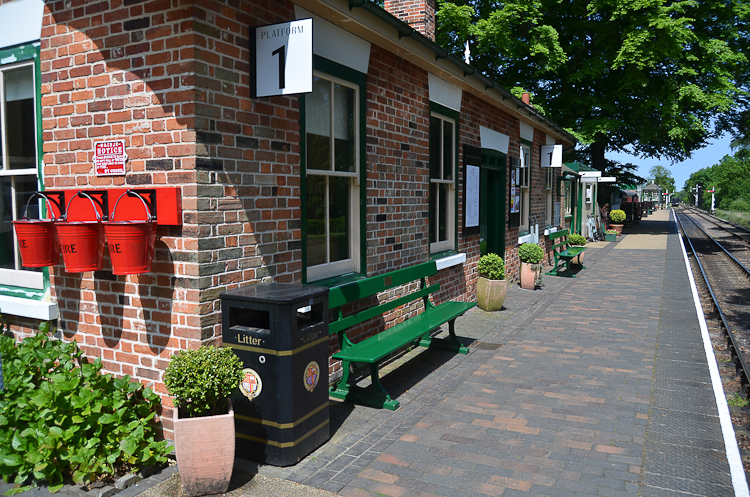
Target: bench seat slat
{"points": [[368, 287], [359, 317], [377, 347]]}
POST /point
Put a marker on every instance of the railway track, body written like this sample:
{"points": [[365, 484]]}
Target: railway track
{"points": [[720, 258], [727, 280]]}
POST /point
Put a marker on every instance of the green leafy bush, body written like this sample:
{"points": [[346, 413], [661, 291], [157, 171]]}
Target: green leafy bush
{"points": [[491, 266], [576, 239], [199, 380], [530, 253], [61, 420], [617, 216]]}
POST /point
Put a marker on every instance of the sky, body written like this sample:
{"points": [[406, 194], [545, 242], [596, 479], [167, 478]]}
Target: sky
{"points": [[681, 171]]}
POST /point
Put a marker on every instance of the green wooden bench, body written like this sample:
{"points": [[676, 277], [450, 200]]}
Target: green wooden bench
{"points": [[563, 254], [375, 349]]}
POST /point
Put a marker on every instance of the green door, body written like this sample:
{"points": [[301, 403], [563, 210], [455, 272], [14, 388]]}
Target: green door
{"points": [[492, 193]]}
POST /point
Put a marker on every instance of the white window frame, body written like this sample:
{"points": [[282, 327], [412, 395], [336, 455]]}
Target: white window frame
{"points": [[450, 242], [350, 265], [549, 205], [18, 277], [524, 183]]}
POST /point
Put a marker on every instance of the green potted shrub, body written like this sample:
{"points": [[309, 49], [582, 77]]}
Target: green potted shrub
{"points": [[530, 255], [610, 235], [617, 217], [491, 285], [201, 382], [576, 240]]}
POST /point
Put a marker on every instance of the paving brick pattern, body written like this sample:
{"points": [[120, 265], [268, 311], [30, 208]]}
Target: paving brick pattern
{"points": [[596, 385]]}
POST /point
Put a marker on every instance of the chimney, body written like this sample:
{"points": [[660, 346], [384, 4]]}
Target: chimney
{"points": [[419, 14], [525, 98]]}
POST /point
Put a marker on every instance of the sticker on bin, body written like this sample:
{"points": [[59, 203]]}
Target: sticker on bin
{"points": [[251, 384], [312, 375], [304, 310]]}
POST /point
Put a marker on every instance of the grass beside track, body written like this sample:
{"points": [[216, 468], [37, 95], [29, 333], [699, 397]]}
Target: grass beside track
{"points": [[735, 217]]}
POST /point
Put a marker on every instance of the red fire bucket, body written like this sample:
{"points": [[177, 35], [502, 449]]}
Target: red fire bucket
{"points": [[82, 242], [37, 239], [131, 243]]}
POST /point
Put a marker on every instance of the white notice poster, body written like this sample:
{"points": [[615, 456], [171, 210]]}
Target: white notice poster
{"points": [[472, 197], [283, 58]]}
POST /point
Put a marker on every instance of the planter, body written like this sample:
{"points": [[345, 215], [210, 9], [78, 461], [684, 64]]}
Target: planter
{"points": [[610, 238], [617, 227], [204, 448], [491, 294], [529, 275], [577, 260]]}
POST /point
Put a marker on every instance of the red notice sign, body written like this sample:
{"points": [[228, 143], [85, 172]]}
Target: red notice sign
{"points": [[110, 157]]}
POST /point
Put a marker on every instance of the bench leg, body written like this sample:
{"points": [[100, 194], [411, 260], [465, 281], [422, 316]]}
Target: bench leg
{"points": [[562, 269], [452, 343], [376, 396]]}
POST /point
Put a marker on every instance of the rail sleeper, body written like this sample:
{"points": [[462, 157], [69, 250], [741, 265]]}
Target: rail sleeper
{"points": [[563, 253], [376, 348]]}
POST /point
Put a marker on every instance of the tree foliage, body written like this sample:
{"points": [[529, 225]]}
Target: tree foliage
{"points": [[644, 76], [730, 180], [662, 177]]}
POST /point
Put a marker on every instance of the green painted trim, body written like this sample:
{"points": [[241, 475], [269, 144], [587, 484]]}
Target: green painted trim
{"points": [[527, 142], [20, 292], [360, 79], [24, 53], [339, 280], [440, 255], [21, 53]]}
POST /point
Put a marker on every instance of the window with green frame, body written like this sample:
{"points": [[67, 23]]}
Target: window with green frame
{"points": [[332, 186], [443, 159], [20, 157]]}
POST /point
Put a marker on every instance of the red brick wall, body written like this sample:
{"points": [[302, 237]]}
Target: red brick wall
{"points": [[171, 79], [419, 14]]}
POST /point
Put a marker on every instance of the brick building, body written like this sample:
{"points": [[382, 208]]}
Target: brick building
{"points": [[363, 175]]}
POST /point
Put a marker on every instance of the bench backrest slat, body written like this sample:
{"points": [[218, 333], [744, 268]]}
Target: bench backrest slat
{"points": [[356, 290], [362, 316], [561, 235], [558, 234]]}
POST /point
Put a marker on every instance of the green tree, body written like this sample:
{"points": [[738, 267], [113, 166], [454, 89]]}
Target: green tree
{"points": [[645, 76], [662, 177]]}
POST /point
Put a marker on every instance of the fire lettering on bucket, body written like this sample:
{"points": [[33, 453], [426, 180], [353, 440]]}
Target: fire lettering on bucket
{"points": [[69, 249], [23, 244], [114, 248]]}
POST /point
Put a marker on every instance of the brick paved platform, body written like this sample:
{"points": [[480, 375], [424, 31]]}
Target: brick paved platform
{"points": [[597, 385]]}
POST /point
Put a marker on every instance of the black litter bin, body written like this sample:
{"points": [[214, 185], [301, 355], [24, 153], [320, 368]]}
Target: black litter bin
{"points": [[280, 333]]}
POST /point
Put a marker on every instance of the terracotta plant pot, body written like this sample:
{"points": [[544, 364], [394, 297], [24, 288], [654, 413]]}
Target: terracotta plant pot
{"points": [[491, 294], [528, 276], [617, 227], [205, 452], [578, 260]]}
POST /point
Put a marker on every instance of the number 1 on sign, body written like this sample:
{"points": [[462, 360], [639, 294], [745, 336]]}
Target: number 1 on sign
{"points": [[281, 52]]}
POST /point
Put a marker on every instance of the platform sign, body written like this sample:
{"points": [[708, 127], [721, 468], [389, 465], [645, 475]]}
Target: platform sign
{"points": [[283, 58], [110, 158], [551, 156]]}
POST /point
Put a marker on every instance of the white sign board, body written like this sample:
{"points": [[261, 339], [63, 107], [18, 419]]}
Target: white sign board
{"points": [[607, 179], [283, 58], [551, 156], [110, 158]]}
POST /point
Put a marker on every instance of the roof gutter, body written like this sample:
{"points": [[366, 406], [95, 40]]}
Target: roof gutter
{"points": [[404, 30]]}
